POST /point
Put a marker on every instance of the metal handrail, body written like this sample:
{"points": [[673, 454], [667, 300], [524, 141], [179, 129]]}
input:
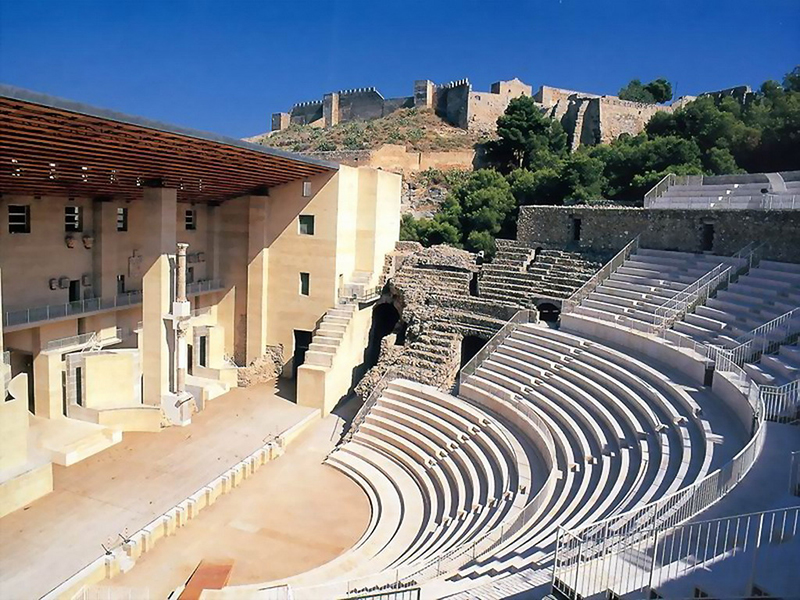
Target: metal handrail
{"points": [[766, 338], [59, 311], [520, 317], [571, 303], [689, 297], [199, 287], [659, 189], [584, 571], [371, 400], [616, 533], [81, 340]]}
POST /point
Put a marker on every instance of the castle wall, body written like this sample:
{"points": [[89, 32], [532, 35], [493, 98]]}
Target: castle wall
{"points": [[622, 116], [306, 113], [484, 109], [360, 105], [605, 229]]}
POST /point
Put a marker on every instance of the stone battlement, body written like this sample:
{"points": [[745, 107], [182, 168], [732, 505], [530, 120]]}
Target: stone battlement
{"points": [[587, 118]]}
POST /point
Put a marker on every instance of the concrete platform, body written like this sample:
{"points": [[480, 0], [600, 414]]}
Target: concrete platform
{"points": [[293, 515], [124, 487]]}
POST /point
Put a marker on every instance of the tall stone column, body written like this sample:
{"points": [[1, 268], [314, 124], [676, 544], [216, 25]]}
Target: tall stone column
{"points": [[180, 313], [3, 366], [104, 250], [257, 265], [158, 246]]}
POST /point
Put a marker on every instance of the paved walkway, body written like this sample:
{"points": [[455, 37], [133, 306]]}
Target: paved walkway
{"points": [[294, 514], [127, 486]]}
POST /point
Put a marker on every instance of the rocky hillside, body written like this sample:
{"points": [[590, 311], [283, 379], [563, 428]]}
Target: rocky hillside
{"points": [[418, 129]]}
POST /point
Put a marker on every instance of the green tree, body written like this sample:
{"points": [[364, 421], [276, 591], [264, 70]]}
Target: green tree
{"points": [[657, 91], [527, 138]]}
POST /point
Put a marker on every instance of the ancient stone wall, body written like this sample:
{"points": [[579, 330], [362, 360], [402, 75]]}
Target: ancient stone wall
{"points": [[396, 158], [306, 113], [361, 104], [622, 116], [604, 229]]}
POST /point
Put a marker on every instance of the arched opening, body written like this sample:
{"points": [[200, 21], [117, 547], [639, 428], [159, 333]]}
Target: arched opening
{"points": [[470, 346], [384, 320], [548, 312]]}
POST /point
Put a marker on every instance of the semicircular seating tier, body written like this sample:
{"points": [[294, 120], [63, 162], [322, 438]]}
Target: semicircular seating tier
{"points": [[552, 430]]}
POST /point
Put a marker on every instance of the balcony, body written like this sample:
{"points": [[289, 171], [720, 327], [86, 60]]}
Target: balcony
{"points": [[20, 319]]}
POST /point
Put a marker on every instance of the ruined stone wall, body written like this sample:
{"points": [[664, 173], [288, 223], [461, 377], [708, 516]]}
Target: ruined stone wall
{"points": [[483, 110], [622, 116], [606, 229], [392, 104], [396, 158]]}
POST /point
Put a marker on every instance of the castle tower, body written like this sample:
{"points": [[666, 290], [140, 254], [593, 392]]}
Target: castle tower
{"points": [[423, 93], [330, 109]]}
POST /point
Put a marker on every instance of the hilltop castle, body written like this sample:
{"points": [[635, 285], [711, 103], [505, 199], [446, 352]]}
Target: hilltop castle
{"points": [[587, 118]]}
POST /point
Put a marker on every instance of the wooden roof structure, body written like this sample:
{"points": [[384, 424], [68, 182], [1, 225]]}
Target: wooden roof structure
{"points": [[51, 146]]}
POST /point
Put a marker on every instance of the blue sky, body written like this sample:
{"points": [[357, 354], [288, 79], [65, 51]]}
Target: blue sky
{"points": [[225, 66]]}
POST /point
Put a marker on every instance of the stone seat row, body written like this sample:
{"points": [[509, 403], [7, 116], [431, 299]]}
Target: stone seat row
{"points": [[647, 280], [765, 293], [439, 473], [626, 434]]}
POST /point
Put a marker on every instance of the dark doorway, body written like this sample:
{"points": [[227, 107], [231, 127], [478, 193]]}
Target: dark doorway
{"points": [[384, 320], [120, 285], [23, 363], [189, 358], [473, 284], [470, 346], [203, 358], [548, 312], [75, 290], [576, 229], [79, 386], [302, 340], [707, 243]]}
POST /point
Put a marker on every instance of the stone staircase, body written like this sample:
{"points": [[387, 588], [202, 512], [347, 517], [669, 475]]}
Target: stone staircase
{"points": [[518, 273], [329, 334]]}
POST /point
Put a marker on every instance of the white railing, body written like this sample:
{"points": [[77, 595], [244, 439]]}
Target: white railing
{"points": [[571, 303], [766, 338], [654, 557], [669, 180], [726, 202], [200, 287], [590, 546], [371, 400], [781, 403], [659, 189], [60, 311], [82, 340], [693, 294], [520, 317], [414, 574]]}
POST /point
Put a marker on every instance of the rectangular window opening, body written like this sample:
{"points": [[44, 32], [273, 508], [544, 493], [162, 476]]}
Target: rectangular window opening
{"points": [[122, 219], [73, 218], [576, 229], [306, 189], [304, 284], [306, 224], [19, 218], [191, 219]]}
